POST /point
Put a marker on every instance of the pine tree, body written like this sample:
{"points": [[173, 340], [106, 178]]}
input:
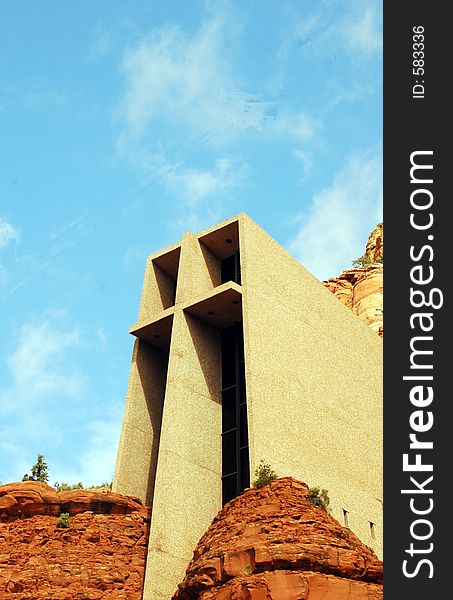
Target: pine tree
{"points": [[38, 471]]}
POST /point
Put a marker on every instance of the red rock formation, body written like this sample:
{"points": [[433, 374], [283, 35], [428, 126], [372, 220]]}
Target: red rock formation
{"points": [[30, 498], [374, 252], [272, 543], [101, 555], [361, 289]]}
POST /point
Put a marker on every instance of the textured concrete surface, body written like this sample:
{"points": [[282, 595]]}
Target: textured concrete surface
{"points": [[140, 434], [188, 492], [313, 384]]}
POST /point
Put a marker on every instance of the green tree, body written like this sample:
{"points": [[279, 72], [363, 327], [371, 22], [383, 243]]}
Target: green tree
{"points": [[39, 471], [63, 521], [319, 497], [363, 261], [64, 487], [264, 474]]}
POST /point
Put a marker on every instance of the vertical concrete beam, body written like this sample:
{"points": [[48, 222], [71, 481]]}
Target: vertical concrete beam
{"points": [[314, 383], [188, 482], [151, 301], [199, 270], [139, 442]]}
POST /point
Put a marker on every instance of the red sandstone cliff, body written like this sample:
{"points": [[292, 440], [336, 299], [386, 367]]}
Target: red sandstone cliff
{"points": [[268, 544], [361, 289], [272, 543], [101, 555]]}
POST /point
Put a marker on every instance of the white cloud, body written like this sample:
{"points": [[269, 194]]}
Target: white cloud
{"points": [[363, 34], [98, 460], [335, 229], [196, 184], [38, 364], [94, 462], [8, 233], [197, 192], [184, 92], [190, 85], [185, 80], [48, 407], [34, 406], [355, 27]]}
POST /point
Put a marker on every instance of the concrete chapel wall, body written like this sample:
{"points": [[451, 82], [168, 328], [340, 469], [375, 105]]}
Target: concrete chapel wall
{"points": [[314, 384]]}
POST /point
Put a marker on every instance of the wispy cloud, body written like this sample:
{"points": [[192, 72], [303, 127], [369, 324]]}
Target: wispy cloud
{"points": [[47, 403], [39, 365], [192, 184], [8, 233], [190, 83], [363, 33], [42, 377], [192, 188], [335, 229], [356, 31], [97, 461], [187, 110], [187, 81], [94, 462]]}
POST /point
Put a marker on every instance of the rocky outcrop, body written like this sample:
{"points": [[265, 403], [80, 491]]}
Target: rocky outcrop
{"points": [[101, 555], [374, 252], [272, 543], [30, 498], [361, 289]]}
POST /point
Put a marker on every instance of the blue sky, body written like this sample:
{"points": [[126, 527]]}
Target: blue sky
{"points": [[124, 124]]}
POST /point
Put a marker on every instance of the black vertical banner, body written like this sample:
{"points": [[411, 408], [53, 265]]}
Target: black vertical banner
{"points": [[418, 434]]}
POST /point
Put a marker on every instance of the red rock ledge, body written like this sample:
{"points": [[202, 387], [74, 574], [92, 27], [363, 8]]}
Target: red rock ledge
{"points": [[29, 498], [272, 543], [102, 555]]}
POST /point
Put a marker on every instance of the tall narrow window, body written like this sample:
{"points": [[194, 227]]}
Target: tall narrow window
{"points": [[231, 269], [372, 530], [235, 449]]}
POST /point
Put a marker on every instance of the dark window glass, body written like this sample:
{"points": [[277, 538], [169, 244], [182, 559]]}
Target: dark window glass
{"points": [[245, 468], [243, 433], [229, 409], [235, 453], [229, 488], [229, 464], [228, 358], [228, 339], [228, 371], [242, 381]]}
